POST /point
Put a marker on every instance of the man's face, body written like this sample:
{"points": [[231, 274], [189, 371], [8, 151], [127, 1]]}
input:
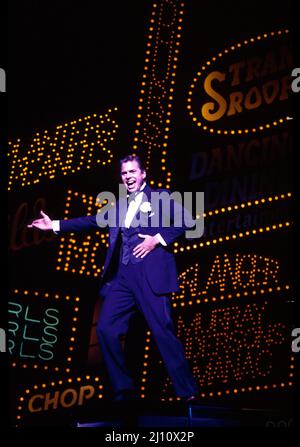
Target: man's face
{"points": [[132, 176]]}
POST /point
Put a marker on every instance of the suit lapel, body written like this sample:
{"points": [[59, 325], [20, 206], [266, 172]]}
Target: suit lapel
{"points": [[122, 210], [147, 190]]}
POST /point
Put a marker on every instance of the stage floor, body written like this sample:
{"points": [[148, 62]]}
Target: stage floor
{"points": [[141, 414]]}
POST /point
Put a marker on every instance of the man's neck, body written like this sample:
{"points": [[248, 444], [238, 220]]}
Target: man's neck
{"points": [[142, 187], [133, 194]]}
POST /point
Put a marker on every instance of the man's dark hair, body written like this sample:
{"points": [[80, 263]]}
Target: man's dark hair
{"points": [[132, 158]]}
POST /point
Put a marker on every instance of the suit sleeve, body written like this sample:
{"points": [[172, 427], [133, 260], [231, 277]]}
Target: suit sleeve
{"points": [[79, 224]]}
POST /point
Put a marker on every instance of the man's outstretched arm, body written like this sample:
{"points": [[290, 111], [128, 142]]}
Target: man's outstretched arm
{"points": [[85, 223]]}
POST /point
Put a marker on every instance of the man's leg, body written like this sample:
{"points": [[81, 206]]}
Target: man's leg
{"points": [[157, 312], [117, 308]]}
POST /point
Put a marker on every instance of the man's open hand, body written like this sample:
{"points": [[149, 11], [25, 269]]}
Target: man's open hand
{"points": [[149, 243], [44, 223]]}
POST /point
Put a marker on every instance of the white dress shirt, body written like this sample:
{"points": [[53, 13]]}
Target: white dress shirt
{"points": [[133, 206]]}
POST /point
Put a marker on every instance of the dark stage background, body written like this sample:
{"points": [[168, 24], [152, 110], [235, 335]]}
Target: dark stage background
{"points": [[202, 92]]}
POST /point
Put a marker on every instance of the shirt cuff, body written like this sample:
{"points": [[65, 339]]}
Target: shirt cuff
{"points": [[161, 239], [56, 226]]}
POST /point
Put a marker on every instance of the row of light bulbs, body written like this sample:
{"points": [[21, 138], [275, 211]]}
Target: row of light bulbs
{"points": [[150, 85], [43, 387], [69, 149], [220, 55]]}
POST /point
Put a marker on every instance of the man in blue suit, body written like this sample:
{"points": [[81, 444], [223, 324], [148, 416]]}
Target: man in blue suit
{"points": [[139, 273]]}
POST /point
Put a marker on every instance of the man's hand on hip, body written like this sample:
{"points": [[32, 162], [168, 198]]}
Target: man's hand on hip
{"points": [[149, 243]]}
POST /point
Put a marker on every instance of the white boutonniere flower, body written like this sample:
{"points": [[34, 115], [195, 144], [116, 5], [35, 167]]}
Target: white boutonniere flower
{"points": [[146, 207]]}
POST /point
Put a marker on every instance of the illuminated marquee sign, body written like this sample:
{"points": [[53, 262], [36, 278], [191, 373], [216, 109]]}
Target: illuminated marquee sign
{"points": [[78, 145], [256, 78], [20, 236], [249, 154], [235, 222], [237, 349], [247, 168], [235, 328], [157, 87], [56, 398], [80, 253], [230, 276], [42, 330]]}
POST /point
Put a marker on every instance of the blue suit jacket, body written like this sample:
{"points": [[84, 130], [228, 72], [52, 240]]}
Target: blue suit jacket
{"points": [[160, 266]]}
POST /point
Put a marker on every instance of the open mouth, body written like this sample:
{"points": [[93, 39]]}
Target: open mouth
{"points": [[130, 183]]}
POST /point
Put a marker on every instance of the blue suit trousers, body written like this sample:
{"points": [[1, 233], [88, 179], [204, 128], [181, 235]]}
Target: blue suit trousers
{"points": [[129, 291]]}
